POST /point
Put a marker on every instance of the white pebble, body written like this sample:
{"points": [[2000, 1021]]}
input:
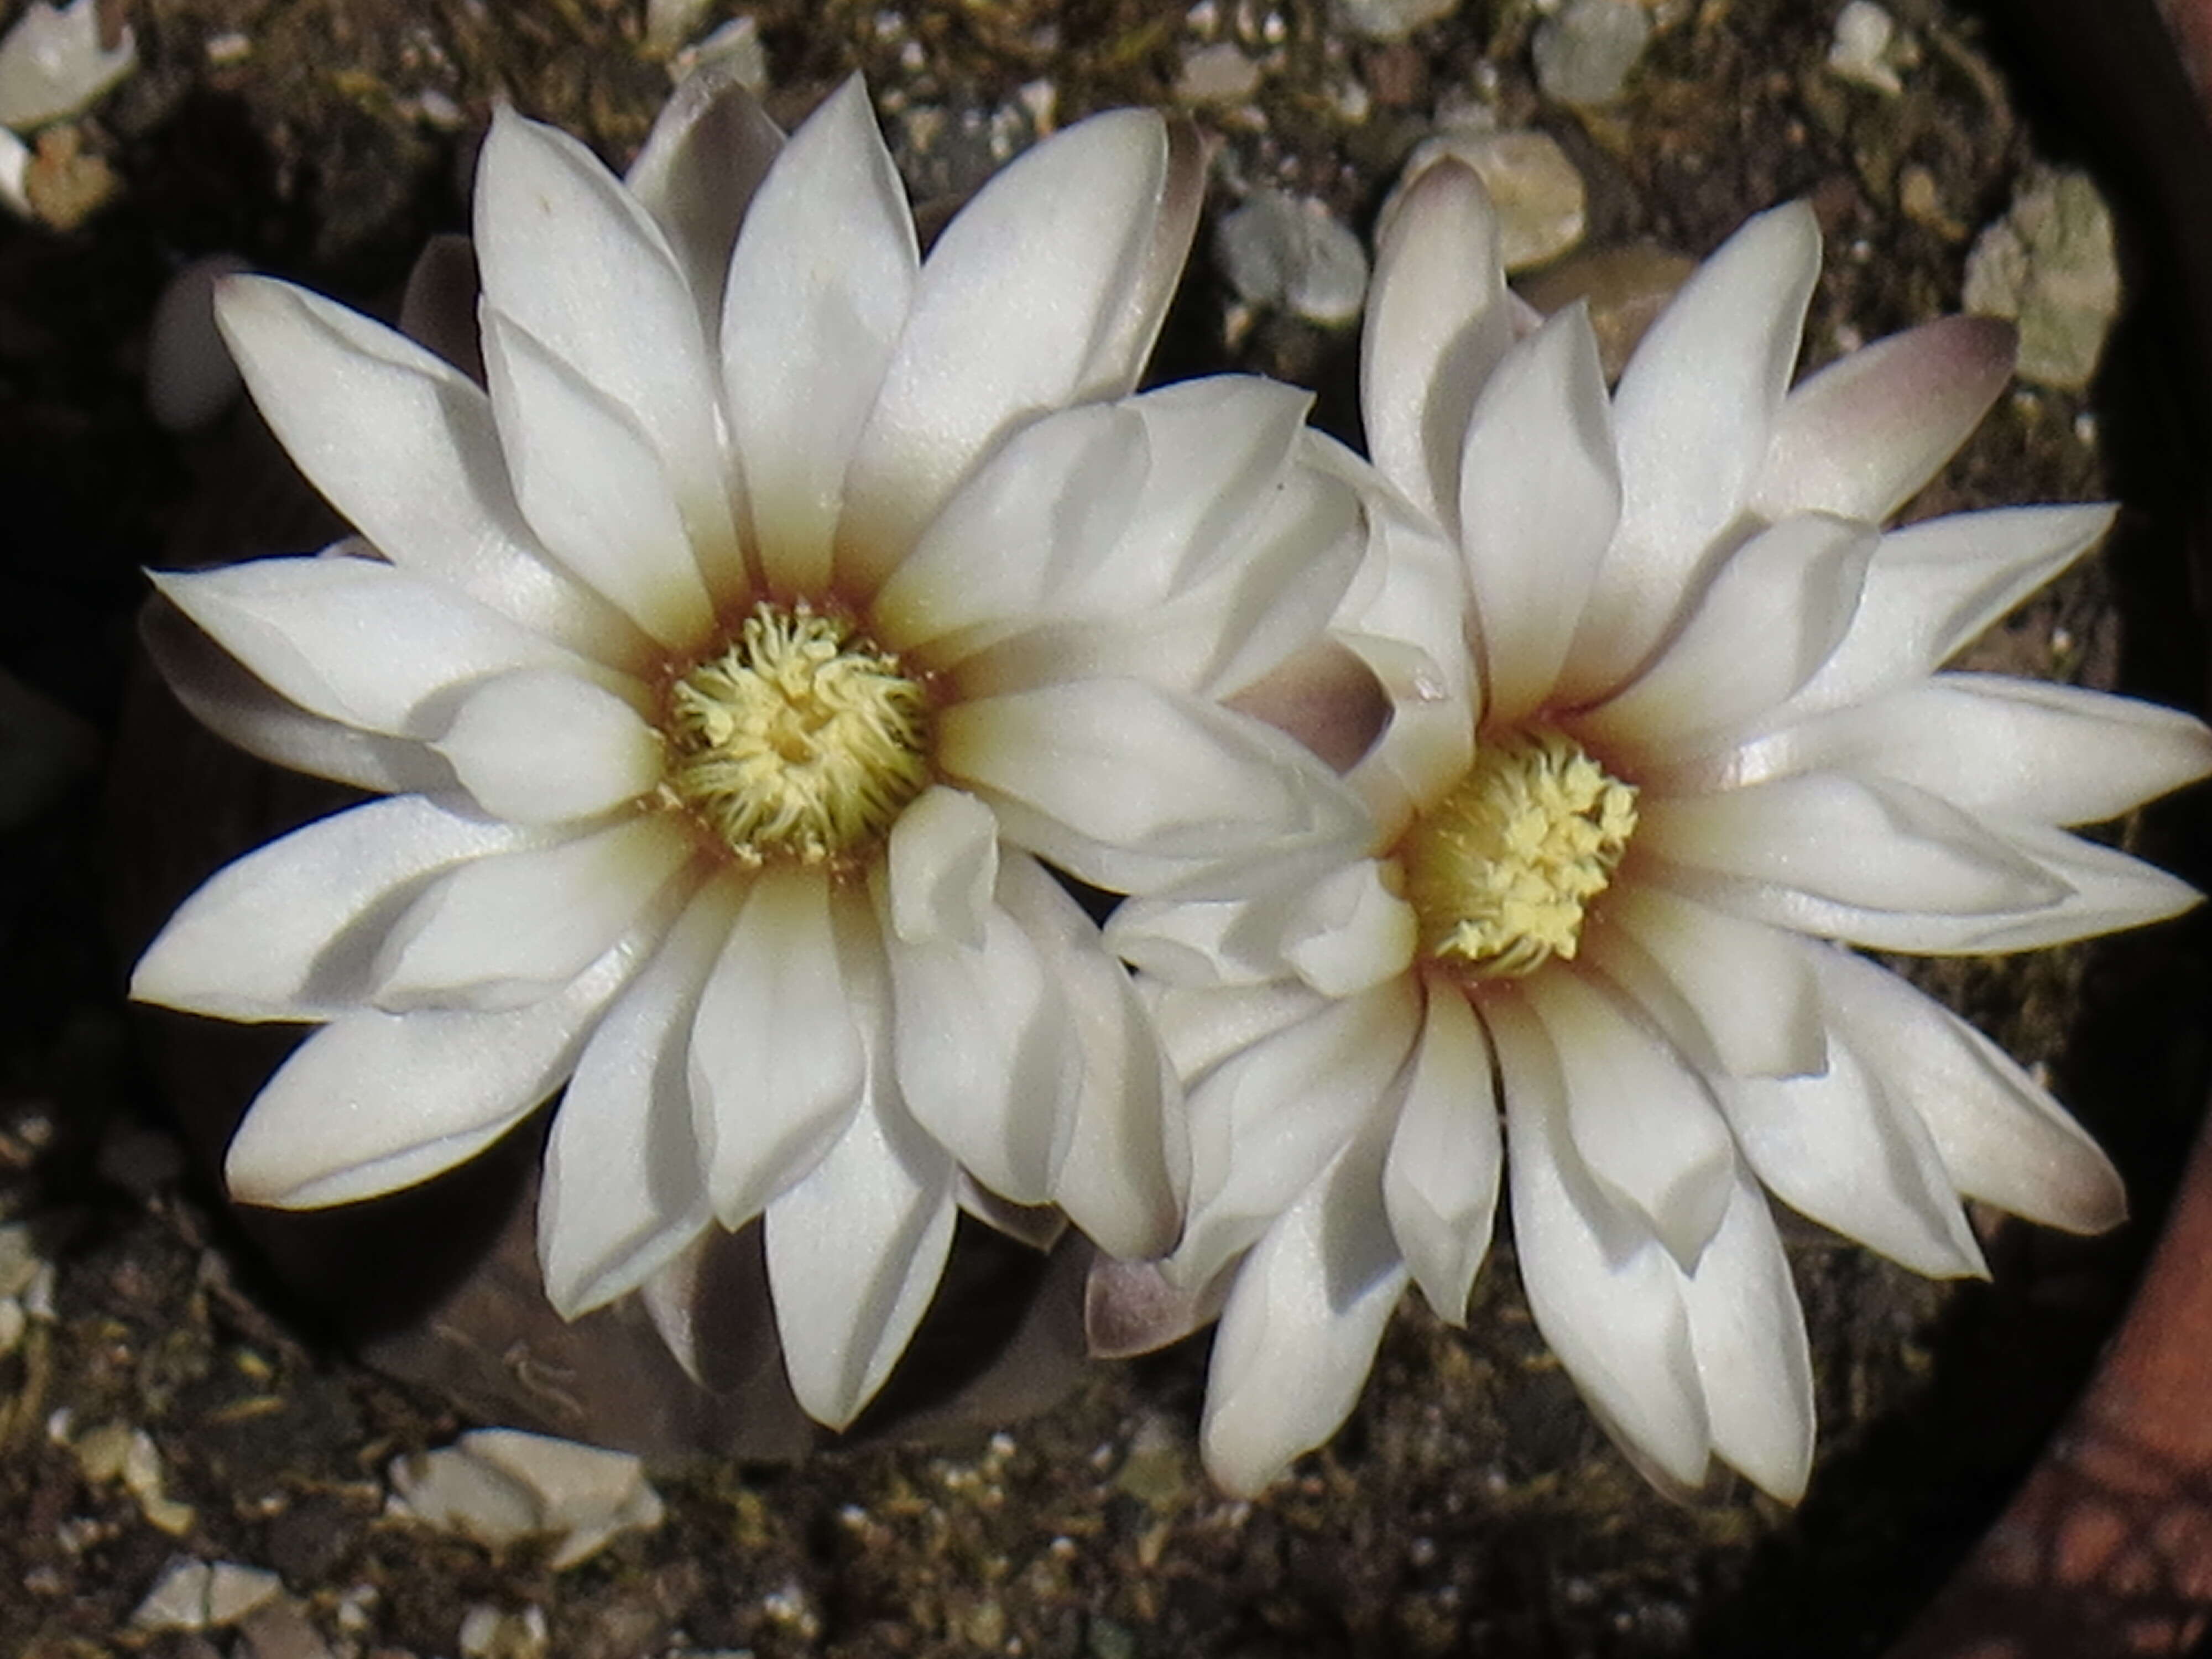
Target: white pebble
{"points": [[1281, 250], [1542, 206], [1584, 54], [1863, 49]]}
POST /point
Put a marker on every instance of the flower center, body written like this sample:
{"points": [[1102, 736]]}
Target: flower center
{"points": [[1501, 870], [803, 739]]}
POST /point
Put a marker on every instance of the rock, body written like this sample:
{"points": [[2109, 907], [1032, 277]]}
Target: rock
{"points": [[1867, 49], [734, 48], [1391, 20], [1280, 250], [1584, 53], [1542, 205], [52, 63], [1626, 288], [2049, 266], [669, 23], [199, 1596], [487, 1632], [1218, 73], [499, 1485], [64, 182], [280, 1629]]}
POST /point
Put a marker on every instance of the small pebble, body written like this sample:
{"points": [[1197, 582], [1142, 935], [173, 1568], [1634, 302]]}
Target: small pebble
{"points": [[53, 64], [1584, 53], [1867, 50], [1542, 207], [197, 1595], [735, 46], [1280, 250], [669, 23], [1218, 73], [65, 183], [498, 1485], [2049, 266], [488, 1633], [1391, 20], [280, 1629], [1626, 288]]}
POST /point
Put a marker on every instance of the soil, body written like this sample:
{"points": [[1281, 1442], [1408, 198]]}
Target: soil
{"points": [[1471, 1505]]}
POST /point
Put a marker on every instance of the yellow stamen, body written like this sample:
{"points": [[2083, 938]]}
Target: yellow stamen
{"points": [[801, 739], [1502, 869]]}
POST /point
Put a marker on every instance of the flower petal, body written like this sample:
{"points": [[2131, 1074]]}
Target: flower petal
{"points": [[1538, 498], [1860, 437], [819, 289], [289, 931], [375, 1102], [357, 641], [1438, 319], [539, 746], [1301, 1326], [1693, 414], [777, 1063], [1078, 217], [1731, 995], [404, 446], [855, 1253], [623, 1193], [1641, 1122], [505, 930], [571, 259], [593, 488], [942, 863], [2002, 1137], [1603, 1290], [1776, 612], [1440, 1180]]}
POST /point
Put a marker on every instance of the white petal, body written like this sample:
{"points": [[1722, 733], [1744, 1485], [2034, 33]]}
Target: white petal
{"points": [[985, 1060], [1350, 932], [1018, 298], [709, 147], [1604, 1291], [360, 641], [375, 1102], [1748, 1332], [1641, 1122], [593, 488], [404, 446], [1932, 589], [1858, 438], [1437, 321], [1774, 612], [854, 1252], [777, 1062], [942, 864], [2002, 1137], [1129, 786], [2006, 748], [623, 1192], [502, 931], [540, 746], [1200, 1028], [1267, 1119], [573, 261], [1126, 1169], [1440, 1180], [289, 931], [1538, 498], [818, 290], [222, 694], [1693, 414], [1860, 842], [1299, 1331], [1731, 995]]}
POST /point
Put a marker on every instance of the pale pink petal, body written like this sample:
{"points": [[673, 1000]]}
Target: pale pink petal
{"points": [[540, 746], [1440, 1180], [1858, 438], [818, 290]]}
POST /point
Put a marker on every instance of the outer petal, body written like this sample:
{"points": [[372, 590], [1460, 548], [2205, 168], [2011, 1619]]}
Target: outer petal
{"points": [[2002, 1137], [1438, 319], [777, 1062], [854, 1252], [569, 256], [818, 291], [1440, 1180], [289, 931], [1858, 438], [403, 445], [540, 746], [1604, 1291], [624, 1192], [1299, 1332], [1538, 498], [375, 1102], [1694, 413], [360, 641], [505, 930], [1078, 217]]}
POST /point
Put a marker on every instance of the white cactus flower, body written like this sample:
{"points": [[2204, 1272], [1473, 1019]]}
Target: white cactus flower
{"points": [[1667, 723], [728, 663]]}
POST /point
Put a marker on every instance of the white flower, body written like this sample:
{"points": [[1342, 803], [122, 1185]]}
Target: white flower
{"points": [[726, 663], [1685, 731]]}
